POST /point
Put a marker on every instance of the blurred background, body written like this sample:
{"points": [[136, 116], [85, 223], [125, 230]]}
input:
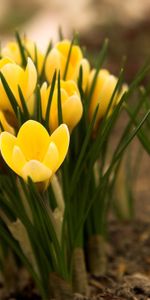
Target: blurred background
{"points": [[125, 23]]}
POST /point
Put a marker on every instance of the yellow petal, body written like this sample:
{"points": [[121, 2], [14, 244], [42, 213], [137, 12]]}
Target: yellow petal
{"points": [[72, 111], [51, 158], [33, 140], [37, 171], [31, 104], [4, 61], [29, 79], [53, 63], [18, 160], [5, 124], [54, 103], [70, 87], [96, 96], [61, 139], [120, 94], [12, 74], [57, 60], [44, 91], [76, 54], [12, 51], [105, 95], [30, 46], [7, 143]]}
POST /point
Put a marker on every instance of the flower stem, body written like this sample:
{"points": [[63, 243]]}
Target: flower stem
{"points": [[97, 260], [80, 282], [58, 192], [59, 288]]}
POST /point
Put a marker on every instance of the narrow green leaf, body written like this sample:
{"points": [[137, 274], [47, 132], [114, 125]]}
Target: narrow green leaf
{"points": [[21, 48], [24, 105], [36, 56], [59, 106], [50, 100], [38, 105], [80, 82], [129, 139], [141, 134], [14, 245], [19, 117], [60, 33], [1, 127], [68, 59], [83, 150]]}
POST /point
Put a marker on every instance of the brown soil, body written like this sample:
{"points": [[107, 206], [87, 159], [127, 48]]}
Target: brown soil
{"points": [[128, 275]]}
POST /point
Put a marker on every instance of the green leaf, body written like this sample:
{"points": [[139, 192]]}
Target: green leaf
{"points": [[141, 134], [24, 105], [50, 100], [38, 105], [22, 49], [129, 139], [68, 59], [83, 151], [60, 33], [36, 56], [14, 245], [59, 105]]}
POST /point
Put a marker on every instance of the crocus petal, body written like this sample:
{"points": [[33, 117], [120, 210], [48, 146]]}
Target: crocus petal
{"points": [[44, 91], [70, 87], [37, 171], [4, 61], [105, 95], [33, 140], [7, 143], [29, 79], [5, 124], [30, 46], [12, 51], [52, 157], [18, 160], [31, 104], [76, 54], [57, 60], [12, 74], [61, 138], [52, 63], [54, 103], [96, 96], [72, 112]]}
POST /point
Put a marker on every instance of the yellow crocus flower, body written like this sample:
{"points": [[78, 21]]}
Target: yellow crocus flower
{"points": [[15, 75], [103, 90], [34, 153], [12, 51], [6, 126], [57, 60], [70, 101]]}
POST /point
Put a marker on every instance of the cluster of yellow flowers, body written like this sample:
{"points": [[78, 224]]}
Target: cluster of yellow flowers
{"points": [[33, 152]]}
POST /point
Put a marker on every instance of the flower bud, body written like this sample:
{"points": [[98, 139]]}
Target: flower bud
{"points": [[57, 60], [70, 102]]}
